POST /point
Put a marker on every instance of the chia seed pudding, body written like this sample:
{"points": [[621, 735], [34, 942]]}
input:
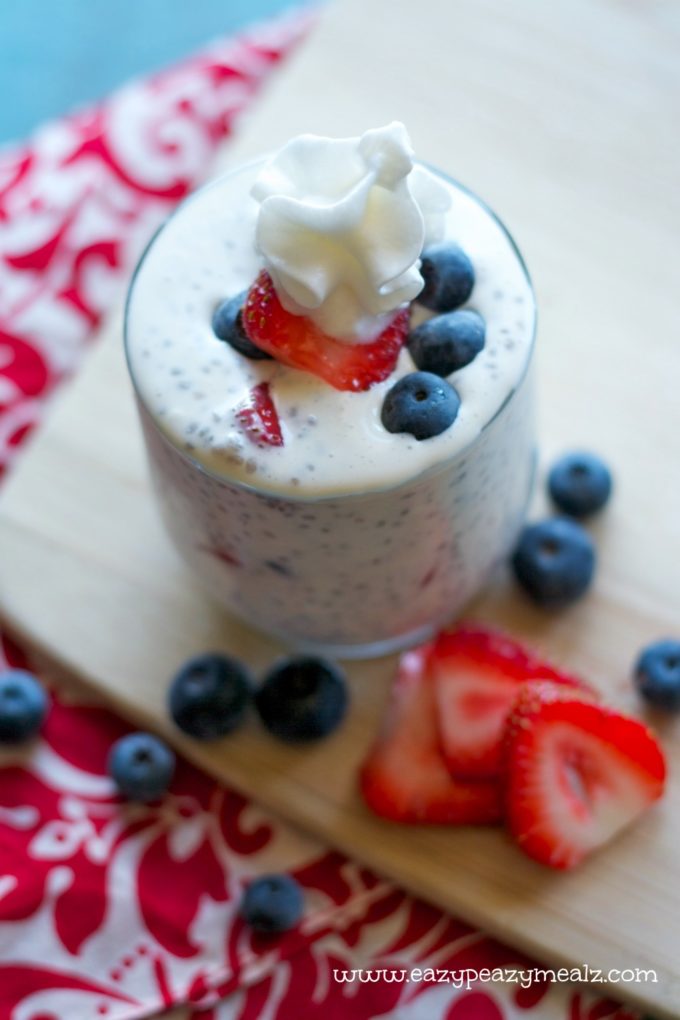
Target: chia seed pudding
{"points": [[344, 537]]}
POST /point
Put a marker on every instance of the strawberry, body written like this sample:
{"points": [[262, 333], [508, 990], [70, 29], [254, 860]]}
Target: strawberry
{"points": [[223, 555], [477, 674], [576, 773], [404, 777], [257, 415], [297, 341]]}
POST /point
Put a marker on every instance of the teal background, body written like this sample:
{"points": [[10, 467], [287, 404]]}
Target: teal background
{"points": [[57, 54]]}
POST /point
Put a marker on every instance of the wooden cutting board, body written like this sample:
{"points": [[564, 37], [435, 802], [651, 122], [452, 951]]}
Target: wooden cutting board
{"points": [[564, 117]]}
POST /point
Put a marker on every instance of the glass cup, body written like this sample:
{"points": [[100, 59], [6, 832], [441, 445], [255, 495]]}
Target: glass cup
{"points": [[360, 574]]}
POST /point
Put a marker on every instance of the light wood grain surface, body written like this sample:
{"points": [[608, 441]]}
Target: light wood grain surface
{"points": [[565, 118]]}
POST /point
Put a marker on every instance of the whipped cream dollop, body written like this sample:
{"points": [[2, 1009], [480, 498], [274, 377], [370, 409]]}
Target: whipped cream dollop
{"points": [[342, 224]]}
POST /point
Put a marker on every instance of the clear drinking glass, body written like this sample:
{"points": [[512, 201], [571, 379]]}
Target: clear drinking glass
{"points": [[359, 574]]}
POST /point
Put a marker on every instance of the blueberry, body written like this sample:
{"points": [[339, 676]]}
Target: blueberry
{"points": [[227, 324], [447, 342], [302, 698], [23, 706], [420, 403], [554, 561], [142, 766], [210, 695], [580, 484], [449, 278], [272, 904], [657, 674]]}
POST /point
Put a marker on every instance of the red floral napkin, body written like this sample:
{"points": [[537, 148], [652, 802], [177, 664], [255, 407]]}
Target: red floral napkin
{"points": [[117, 911]]}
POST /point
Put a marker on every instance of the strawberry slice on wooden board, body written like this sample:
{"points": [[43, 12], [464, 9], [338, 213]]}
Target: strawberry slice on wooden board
{"points": [[405, 778], [259, 419], [477, 674], [297, 341], [577, 773]]}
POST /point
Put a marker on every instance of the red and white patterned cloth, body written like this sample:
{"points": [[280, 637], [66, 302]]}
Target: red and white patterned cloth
{"points": [[118, 911]]}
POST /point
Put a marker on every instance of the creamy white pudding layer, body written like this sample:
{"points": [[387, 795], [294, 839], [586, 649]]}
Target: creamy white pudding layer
{"points": [[334, 443]]}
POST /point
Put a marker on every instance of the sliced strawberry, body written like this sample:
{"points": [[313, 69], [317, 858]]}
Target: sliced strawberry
{"points": [[477, 674], [576, 772], [404, 777], [259, 419], [297, 341]]}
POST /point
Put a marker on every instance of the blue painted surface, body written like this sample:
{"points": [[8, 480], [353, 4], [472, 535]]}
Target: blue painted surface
{"points": [[57, 54]]}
